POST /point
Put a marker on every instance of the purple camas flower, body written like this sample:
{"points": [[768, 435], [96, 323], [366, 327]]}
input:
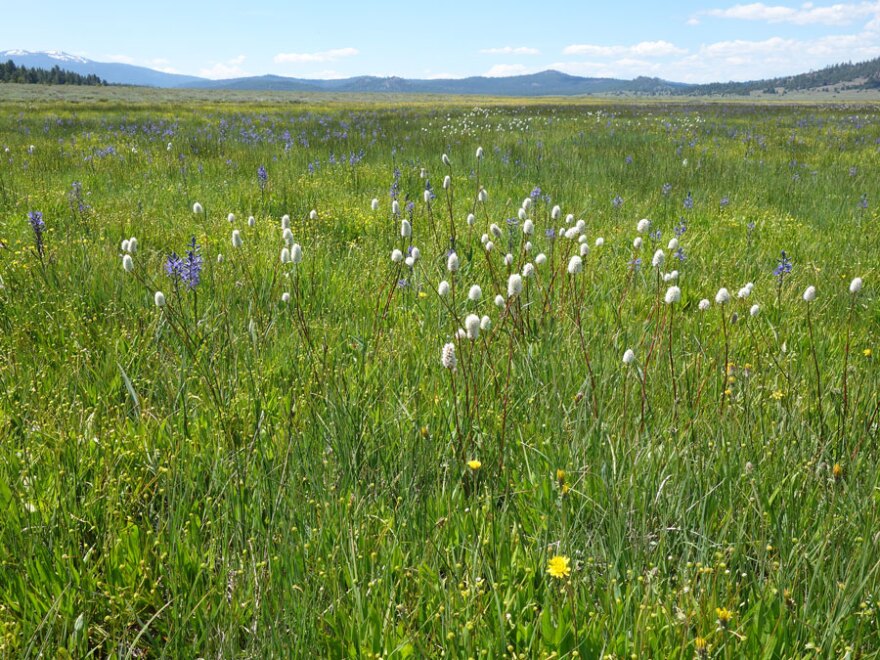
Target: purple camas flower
{"points": [[655, 235], [725, 201], [617, 202], [629, 160], [536, 192], [681, 227], [174, 267], [262, 177], [550, 233], [192, 265], [635, 264], [679, 254], [863, 202], [35, 218], [783, 267], [666, 189], [689, 201]]}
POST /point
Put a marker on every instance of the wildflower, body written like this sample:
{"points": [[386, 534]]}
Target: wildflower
{"points": [[296, 253], [445, 160], [405, 228], [617, 202], [527, 203], [855, 286], [658, 259], [443, 288], [541, 259], [673, 295], [514, 285], [452, 263], [471, 219], [285, 255], [447, 357], [724, 616], [528, 270], [285, 221], [499, 301], [313, 215], [783, 267], [672, 246], [701, 646], [867, 352], [689, 201], [124, 245], [528, 227], [474, 464], [287, 235], [629, 357], [395, 207], [575, 265], [447, 181], [236, 238], [479, 153], [485, 324], [262, 177], [495, 230], [744, 293], [637, 243], [197, 209], [475, 293], [600, 242], [285, 297], [252, 221], [643, 225], [837, 471], [556, 212], [374, 204], [127, 263], [777, 395], [754, 310], [810, 294], [483, 195], [35, 218], [219, 258], [704, 304], [584, 250], [159, 299], [132, 245], [489, 245], [508, 259], [472, 326], [230, 218], [396, 256], [723, 296], [559, 567], [527, 246]]}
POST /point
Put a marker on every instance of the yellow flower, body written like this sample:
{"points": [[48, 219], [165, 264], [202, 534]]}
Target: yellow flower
{"points": [[701, 646], [724, 616], [560, 475], [837, 471], [474, 464], [422, 294], [558, 567], [777, 395], [867, 352]]}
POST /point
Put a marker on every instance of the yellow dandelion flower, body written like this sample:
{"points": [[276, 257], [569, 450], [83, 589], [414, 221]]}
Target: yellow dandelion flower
{"points": [[837, 471], [701, 646], [560, 475], [724, 616], [474, 465], [867, 352], [558, 567], [422, 294]]}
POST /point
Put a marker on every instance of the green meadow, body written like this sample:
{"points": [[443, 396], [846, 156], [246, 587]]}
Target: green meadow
{"points": [[269, 427]]}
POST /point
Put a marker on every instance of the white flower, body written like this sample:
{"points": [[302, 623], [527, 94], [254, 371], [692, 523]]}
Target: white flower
{"points": [[128, 263], [479, 152], [445, 159], [447, 181], [673, 295], [285, 255], [484, 239], [569, 218], [743, 293], [722, 296], [219, 258], [570, 233], [133, 245], [600, 242], [485, 324], [405, 228], [236, 238], [754, 310], [556, 212], [521, 214], [395, 207], [628, 356], [499, 300], [285, 297], [374, 204], [581, 225], [575, 265], [856, 285], [159, 299], [396, 256], [415, 253], [427, 196], [452, 263], [643, 225], [528, 246], [673, 245], [750, 286], [313, 215], [489, 246], [423, 173], [483, 195], [541, 259], [285, 221], [514, 285], [231, 217], [409, 262], [475, 293], [168, 148], [125, 245], [582, 238], [472, 326], [528, 227], [471, 220], [495, 230], [296, 253], [658, 259], [508, 259], [197, 208], [704, 304], [251, 221], [443, 288], [528, 270], [527, 203], [670, 277], [585, 249], [637, 243], [447, 357], [287, 235], [810, 294]]}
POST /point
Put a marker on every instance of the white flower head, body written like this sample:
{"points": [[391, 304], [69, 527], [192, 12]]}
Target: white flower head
{"points": [[643, 225], [127, 263], [445, 160], [133, 245], [236, 238], [285, 255], [528, 270], [285, 297], [673, 295], [396, 256], [252, 221], [479, 153], [472, 326], [704, 304], [514, 285], [443, 288], [452, 263], [585, 249], [658, 259], [754, 310], [395, 207], [485, 324], [124, 245], [528, 227], [856, 285], [508, 259], [409, 262], [489, 245], [527, 203], [600, 242], [556, 212], [527, 246], [405, 228], [159, 299], [810, 294], [471, 220], [629, 357], [416, 253], [743, 293], [483, 196], [427, 196], [374, 204], [541, 259], [723, 296], [287, 235], [219, 258], [475, 293], [285, 221], [484, 239], [521, 214], [672, 246], [495, 230], [197, 208], [447, 181], [447, 357], [499, 300], [230, 218], [296, 253], [637, 242], [575, 265]]}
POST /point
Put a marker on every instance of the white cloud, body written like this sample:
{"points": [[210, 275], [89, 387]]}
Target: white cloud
{"points": [[806, 14], [228, 69], [121, 59], [642, 49], [511, 50], [501, 70], [322, 56]]}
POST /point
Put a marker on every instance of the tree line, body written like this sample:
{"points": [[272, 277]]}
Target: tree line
{"points": [[11, 73]]}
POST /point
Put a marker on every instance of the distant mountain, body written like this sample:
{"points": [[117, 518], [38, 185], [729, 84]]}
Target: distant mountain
{"points": [[112, 72]]}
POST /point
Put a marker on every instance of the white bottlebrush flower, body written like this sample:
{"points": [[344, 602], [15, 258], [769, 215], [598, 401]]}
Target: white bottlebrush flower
{"points": [[484, 239], [395, 207], [197, 208], [443, 288], [571, 233], [472, 326], [287, 235], [575, 265], [600, 242], [495, 230], [643, 225], [673, 295], [475, 293], [514, 285], [750, 286], [285, 221], [415, 253], [489, 245], [528, 270], [723, 296], [508, 259], [296, 253], [127, 263], [810, 294], [483, 196], [133, 245], [427, 196], [423, 173], [581, 226], [743, 293], [159, 299], [219, 258], [629, 357], [447, 357], [285, 297], [582, 238], [754, 310], [124, 245], [670, 277], [479, 153], [585, 249], [499, 300], [527, 203], [452, 263], [447, 181], [471, 219], [405, 228], [528, 227], [236, 238], [569, 218], [374, 204], [527, 246], [313, 215], [485, 324], [856, 285], [541, 259], [252, 221], [521, 214], [230, 218], [285, 255], [637, 243], [658, 259], [704, 304], [396, 256], [556, 212], [409, 262], [445, 160], [169, 147], [672, 246]]}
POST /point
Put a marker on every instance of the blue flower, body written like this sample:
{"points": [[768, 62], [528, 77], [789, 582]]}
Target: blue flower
{"points": [[783, 266], [35, 218], [689, 201], [617, 202], [262, 177]]}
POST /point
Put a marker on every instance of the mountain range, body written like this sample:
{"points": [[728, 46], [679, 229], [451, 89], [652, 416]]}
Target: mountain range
{"points": [[863, 75]]}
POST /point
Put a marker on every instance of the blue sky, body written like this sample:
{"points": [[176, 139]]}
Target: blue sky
{"points": [[688, 41]]}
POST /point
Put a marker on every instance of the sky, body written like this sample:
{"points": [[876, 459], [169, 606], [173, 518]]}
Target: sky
{"points": [[684, 41]]}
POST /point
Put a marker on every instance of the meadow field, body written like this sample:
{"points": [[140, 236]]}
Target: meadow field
{"points": [[439, 378]]}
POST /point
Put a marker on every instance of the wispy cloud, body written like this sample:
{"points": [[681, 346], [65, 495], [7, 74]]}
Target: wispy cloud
{"points": [[511, 50], [501, 70], [321, 56], [806, 14], [642, 49], [228, 69], [120, 59]]}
